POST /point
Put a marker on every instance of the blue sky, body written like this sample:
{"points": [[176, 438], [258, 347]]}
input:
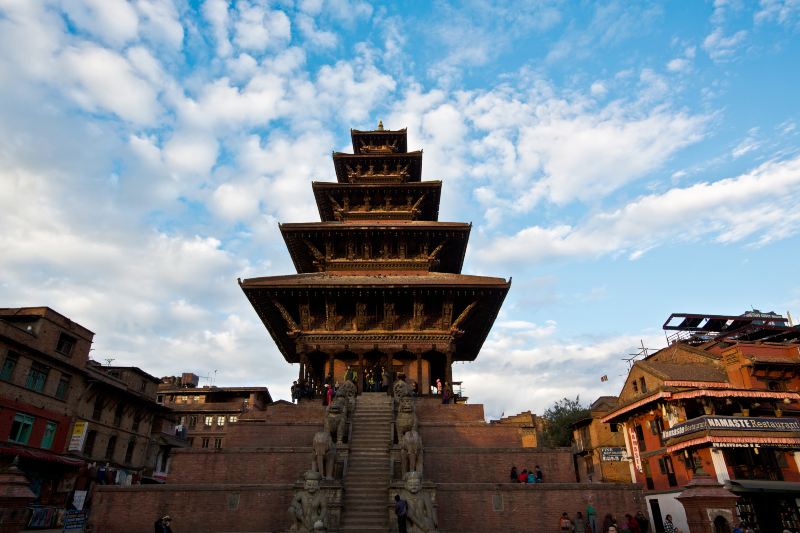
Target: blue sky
{"points": [[620, 160]]}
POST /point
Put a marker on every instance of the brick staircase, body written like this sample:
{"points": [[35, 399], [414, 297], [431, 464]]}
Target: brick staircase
{"points": [[366, 484]]}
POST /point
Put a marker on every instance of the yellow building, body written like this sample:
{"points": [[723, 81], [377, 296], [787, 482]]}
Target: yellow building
{"points": [[598, 448]]}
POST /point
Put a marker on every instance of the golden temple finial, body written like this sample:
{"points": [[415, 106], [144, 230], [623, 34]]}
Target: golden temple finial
{"points": [[380, 125]]}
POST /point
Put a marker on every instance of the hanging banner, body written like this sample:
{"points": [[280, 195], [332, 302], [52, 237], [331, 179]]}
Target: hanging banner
{"points": [[637, 460], [79, 431]]}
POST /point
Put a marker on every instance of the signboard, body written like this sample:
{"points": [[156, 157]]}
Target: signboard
{"points": [[637, 460], [612, 454], [74, 520], [739, 423], [79, 431], [754, 445], [78, 499]]}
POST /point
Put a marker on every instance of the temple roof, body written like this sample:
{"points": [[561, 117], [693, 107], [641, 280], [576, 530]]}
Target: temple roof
{"points": [[425, 197], [477, 300], [329, 280], [434, 246], [378, 168], [366, 140]]}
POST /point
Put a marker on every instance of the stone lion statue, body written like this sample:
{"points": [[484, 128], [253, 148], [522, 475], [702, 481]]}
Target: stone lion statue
{"points": [[324, 454], [347, 390], [411, 452], [406, 417], [336, 418]]}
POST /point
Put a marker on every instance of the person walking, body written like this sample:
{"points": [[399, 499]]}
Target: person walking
{"points": [[580, 524], [564, 523], [401, 511], [644, 523], [591, 517], [669, 527]]}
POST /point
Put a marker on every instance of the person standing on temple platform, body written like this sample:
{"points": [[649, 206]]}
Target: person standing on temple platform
{"points": [[539, 475], [295, 392], [350, 374], [438, 389], [445, 394], [523, 476], [387, 380], [514, 475]]}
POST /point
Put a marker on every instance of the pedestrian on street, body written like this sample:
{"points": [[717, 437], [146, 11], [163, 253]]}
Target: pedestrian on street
{"points": [[401, 510], [162, 525]]}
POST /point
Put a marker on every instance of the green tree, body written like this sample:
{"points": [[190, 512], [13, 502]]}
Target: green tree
{"points": [[559, 417]]}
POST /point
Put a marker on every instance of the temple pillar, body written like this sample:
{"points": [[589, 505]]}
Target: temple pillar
{"points": [[360, 379], [419, 373], [448, 367], [330, 368], [390, 367]]}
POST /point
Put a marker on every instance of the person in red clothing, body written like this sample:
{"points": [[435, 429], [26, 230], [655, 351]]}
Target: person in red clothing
{"points": [[632, 524], [523, 476]]}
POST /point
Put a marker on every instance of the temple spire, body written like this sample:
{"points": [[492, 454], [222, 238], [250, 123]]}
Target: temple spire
{"points": [[380, 125]]}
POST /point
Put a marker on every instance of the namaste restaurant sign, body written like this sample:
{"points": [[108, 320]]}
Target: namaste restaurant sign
{"points": [[739, 423]]}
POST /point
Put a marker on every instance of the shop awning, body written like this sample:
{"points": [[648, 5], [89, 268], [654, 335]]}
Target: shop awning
{"points": [[758, 485], [39, 455]]}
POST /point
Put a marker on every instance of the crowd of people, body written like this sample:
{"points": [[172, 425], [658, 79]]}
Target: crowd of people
{"points": [[533, 475], [588, 523]]}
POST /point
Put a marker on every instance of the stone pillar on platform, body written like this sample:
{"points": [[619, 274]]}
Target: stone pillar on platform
{"points": [[706, 501], [330, 369], [419, 373], [360, 379], [448, 367]]}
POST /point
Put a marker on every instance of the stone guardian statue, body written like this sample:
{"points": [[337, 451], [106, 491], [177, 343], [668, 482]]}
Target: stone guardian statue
{"points": [[324, 451], [421, 517], [308, 505], [411, 452]]}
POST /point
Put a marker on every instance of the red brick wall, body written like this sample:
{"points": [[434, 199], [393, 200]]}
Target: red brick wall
{"points": [[432, 410], [468, 507], [279, 465], [462, 435], [193, 508], [263, 434], [470, 465]]}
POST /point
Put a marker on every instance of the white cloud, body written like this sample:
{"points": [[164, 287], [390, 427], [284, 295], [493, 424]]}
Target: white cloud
{"points": [[105, 81], [217, 14], [786, 12], [314, 36], [257, 29], [722, 48], [191, 153], [758, 206], [113, 21], [160, 22]]}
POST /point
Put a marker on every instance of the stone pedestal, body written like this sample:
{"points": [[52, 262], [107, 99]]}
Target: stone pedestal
{"points": [[15, 495], [705, 502]]}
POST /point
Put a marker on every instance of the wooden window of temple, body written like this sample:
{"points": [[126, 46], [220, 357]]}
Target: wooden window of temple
{"points": [[635, 387], [204, 442], [218, 444], [137, 419], [221, 420], [209, 421], [233, 418], [192, 421], [642, 385], [97, 412]]}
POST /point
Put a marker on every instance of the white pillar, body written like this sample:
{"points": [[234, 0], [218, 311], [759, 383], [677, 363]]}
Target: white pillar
{"points": [[631, 465], [720, 467]]}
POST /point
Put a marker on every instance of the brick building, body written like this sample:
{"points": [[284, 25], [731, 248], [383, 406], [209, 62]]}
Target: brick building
{"points": [[598, 448], [70, 420], [206, 413], [721, 400], [43, 358], [531, 427]]}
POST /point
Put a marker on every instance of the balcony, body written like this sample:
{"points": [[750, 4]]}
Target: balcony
{"points": [[763, 472]]}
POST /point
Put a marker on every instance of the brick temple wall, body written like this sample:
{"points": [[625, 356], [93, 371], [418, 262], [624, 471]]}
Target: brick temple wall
{"points": [[195, 508], [465, 435], [493, 465], [270, 465], [510, 507]]}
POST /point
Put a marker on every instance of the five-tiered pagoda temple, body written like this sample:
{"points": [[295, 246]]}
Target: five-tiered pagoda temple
{"points": [[378, 283]]}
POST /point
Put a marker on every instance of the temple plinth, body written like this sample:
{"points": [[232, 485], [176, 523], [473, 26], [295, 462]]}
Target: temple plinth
{"points": [[379, 283]]}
